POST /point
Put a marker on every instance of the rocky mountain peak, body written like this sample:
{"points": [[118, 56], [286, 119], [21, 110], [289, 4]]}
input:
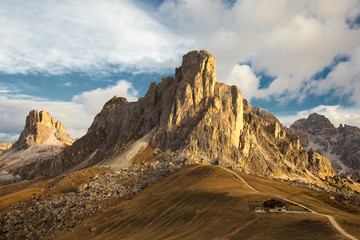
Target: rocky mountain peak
{"points": [[198, 69], [41, 127], [319, 120], [183, 113], [187, 119], [35, 117], [340, 145], [315, 123]]}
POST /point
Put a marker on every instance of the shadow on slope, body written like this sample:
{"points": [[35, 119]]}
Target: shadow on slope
{"points": [[199, 202]]}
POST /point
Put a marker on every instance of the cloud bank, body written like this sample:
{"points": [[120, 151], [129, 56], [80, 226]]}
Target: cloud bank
{"points": [[65, 36]]}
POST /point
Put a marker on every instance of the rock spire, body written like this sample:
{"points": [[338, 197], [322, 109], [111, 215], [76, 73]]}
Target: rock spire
{"points": [[41, 127]]}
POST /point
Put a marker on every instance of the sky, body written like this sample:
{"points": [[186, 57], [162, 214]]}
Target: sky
{"points": [[69, 57]]}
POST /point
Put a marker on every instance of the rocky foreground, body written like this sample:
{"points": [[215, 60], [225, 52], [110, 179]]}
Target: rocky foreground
{"points": [[65, 202]]}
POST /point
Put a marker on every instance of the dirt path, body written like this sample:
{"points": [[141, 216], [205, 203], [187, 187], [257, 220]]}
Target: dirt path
{"points": [[331, 218]]}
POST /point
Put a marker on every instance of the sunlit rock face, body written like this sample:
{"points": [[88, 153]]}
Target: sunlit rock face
{"points": [[190, 118], [4, 146], [40, 128]]}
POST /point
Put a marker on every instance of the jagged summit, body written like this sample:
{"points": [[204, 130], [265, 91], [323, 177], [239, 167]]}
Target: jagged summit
{"points": [[178, 112], [186, 119], [315, 123], [44, 117], [41, 127], [41, 140], [340, 145]]}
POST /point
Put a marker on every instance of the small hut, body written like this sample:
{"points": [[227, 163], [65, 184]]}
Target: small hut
{"points": [[274, 205]]}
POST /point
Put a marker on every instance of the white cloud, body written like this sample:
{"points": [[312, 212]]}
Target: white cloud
{"points": [[66, 36], [291, 40], [243, 77], [76, 115], [344, 80], [68, 84], [94, 100]]}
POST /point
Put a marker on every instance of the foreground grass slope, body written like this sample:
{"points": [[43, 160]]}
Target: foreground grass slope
{"points": [[200, 202], [347, 215]]}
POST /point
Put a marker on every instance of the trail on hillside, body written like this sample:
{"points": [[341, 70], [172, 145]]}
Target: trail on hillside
{"points": [[331, 218]]}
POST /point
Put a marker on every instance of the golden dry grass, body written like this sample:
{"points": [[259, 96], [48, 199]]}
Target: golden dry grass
{"points": [[145, 156], [21, 196], [199, 202], [15, 187]]}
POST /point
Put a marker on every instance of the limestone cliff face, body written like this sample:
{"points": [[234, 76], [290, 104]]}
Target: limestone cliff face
{"points": [[341, 145], [319, 165], [191, 118], [185, 114], [41, 127], [271, 149]]}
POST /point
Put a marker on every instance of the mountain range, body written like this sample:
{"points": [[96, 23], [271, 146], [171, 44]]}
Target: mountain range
{"points": [[186, 119], [188, 125], [340, 145]]}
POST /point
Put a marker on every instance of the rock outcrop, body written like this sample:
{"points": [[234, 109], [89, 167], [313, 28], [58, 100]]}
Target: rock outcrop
{"points": [[40, 128], [41, 140], [340, 145], [4, 146], [190, 118]]}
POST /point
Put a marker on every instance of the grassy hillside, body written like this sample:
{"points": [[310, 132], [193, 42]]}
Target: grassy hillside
{"points": [[201, 202], [347, 215]]}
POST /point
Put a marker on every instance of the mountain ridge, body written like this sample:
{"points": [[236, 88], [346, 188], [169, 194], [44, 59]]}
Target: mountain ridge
{"points": [[341, 145], [191, 118]]}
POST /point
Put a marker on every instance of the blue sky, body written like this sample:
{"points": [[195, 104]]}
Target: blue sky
{"points": [[69, 57]]}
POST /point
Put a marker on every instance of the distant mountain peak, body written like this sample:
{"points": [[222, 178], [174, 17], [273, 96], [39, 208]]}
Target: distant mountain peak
{"points": [[41, 127], [315, 123], [340, 145], [41, 140]]}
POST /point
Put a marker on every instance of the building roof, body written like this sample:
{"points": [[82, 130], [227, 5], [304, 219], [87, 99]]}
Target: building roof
{"points": [[274, 203]]}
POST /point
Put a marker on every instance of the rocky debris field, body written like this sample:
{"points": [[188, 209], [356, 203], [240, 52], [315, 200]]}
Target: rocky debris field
{"points": [[44, 215], [344, 196]]}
